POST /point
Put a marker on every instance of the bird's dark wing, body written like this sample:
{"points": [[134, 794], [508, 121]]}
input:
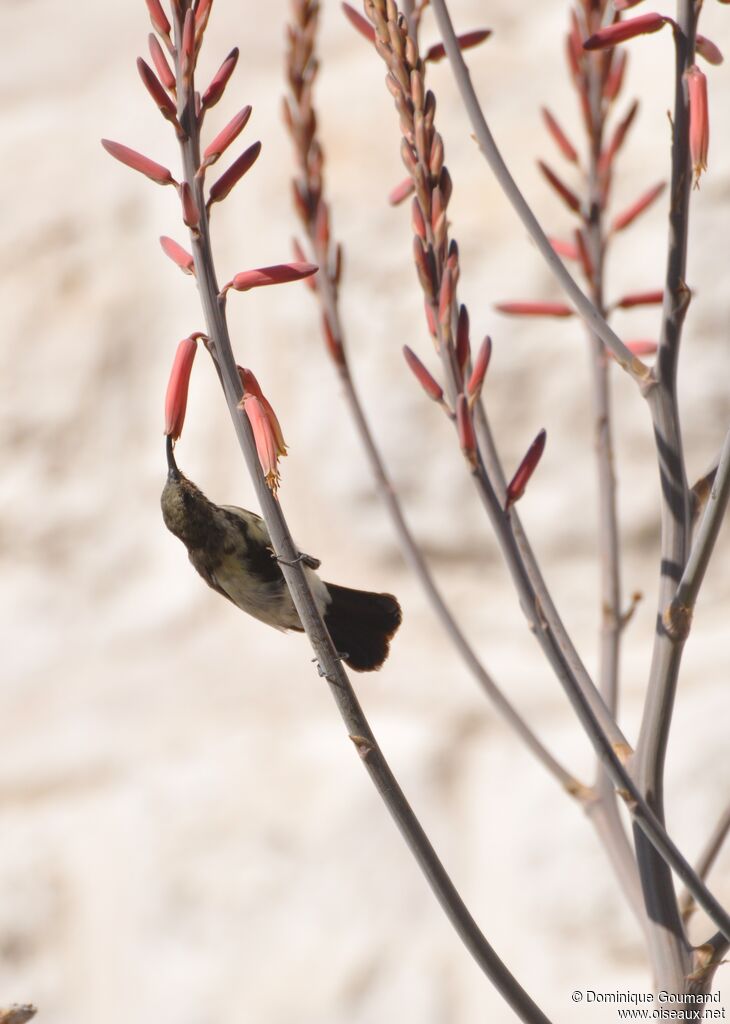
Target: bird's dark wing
{"points": [[260, 558]]}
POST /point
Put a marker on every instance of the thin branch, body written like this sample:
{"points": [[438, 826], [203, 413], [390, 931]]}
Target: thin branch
{"points": [[706, 859], [314, 214], [583, 305], [680, 610], [438, 274], [667, 938], [330, 665]]}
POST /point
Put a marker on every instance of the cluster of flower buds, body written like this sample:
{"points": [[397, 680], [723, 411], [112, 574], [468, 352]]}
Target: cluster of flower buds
{"points": [[170, 81]]}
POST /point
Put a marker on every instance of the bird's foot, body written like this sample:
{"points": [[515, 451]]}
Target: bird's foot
{"points": [[309, 560]]}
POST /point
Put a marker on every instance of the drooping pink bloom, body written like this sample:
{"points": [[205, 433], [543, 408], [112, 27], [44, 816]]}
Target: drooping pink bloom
{"points": [[699, 120], [270, 445], [429, 384], [138, 162], [181, 257], [279, 273], [518, 483], [176, 398], [615, 78], [219, 80], [220, 189], [620, 31]]}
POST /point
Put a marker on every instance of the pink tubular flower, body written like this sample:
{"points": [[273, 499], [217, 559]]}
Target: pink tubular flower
{"points": [[629, 215], [357, 21], [709, 50], [176, 399], [270, 445], [401, 191], [699, 121], [561, 140], [620, 31], [481, 363]]}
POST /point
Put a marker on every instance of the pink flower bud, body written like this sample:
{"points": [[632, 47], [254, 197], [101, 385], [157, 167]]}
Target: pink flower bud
{"points": [[561, 140], [176, 398], [468, 39], [481, 363], [567, 195], [191, 213], [640, 299], [462, 340], [158, 18], [431, 386], [615, 78], [465, 430], [188, 43], [160, 61], [707, 49], [401, 191], [534, 309], [178, 255], [220, 80], [518, 483], [584, 255], [618, 137], [620, 31], [446, 298], [333, 343], [363, 27], [565, 249], [138, 162], [225, 137], [430, 318], [280, 273], [157, 91], [220, 189], [699, 121], [636, 209], [202, 13]]}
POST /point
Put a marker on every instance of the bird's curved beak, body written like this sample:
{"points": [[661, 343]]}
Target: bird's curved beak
{"points": [[173, 473]]}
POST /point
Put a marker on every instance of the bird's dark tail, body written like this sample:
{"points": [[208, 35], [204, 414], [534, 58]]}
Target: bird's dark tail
{"points": [[361, 625]]}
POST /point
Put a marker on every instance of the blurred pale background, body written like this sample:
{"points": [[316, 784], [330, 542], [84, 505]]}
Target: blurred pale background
{"points": [[187, 834]]}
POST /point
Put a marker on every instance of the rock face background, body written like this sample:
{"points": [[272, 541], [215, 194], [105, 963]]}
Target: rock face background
{"points": [[187, 834]]}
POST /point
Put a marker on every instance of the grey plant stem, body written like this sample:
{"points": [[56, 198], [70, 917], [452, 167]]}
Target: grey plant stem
{"points": [[708, 857], [685, 599], [417, 562], [583, 305], [669, 940], [586, 702], [605, 810], [330, 665], [649, 824]]}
